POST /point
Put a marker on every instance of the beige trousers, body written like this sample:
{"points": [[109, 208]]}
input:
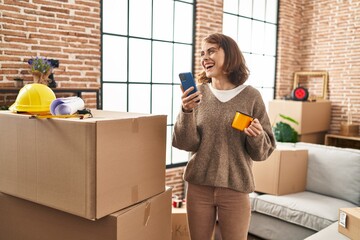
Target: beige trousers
{"points": [[232, 209]]}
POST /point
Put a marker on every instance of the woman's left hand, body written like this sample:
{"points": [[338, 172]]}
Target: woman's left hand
{"points": [[254, 129]]}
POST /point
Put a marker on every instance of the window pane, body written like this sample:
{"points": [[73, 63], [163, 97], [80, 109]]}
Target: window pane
{"points": [[231, 6], [183, 31], [270, 36], [115, 17], [139, 60], [114, 97], [140, 69], [267, 95], [229, 21], [262, 71], [161, 94], [271, 11], [139, 98], [140, 18], [259, 10], [268, 71], [244, 37], [253, 29], [176, 101], [114, 58], [162, 62], [179, 156], [182, 59], [245, 8], [250, 65], [168, 144], [163, 20], [257, 37], [248, 60], [256, 70]]}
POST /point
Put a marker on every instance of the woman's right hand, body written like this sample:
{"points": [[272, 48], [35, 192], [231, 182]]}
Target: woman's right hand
{"points": [[189, 102]]}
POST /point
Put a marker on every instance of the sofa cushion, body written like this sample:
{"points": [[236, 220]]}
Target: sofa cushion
{"points": [[252, 197], [270, 228], [308, 209], [333, 171]]}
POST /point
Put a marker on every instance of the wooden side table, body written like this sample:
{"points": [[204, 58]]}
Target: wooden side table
{"points": [[342, 141]]}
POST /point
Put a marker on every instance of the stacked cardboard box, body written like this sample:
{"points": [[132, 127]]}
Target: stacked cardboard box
{"points": [[180, 229], [90, 168], [24, 220], [284, 172], [313, 117]]}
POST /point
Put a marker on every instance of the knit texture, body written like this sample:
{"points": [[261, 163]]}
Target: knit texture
{"points": [[222, 156]]}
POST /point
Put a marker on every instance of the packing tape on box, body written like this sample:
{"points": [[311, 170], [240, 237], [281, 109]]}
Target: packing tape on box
{"points": [[147, 213]]}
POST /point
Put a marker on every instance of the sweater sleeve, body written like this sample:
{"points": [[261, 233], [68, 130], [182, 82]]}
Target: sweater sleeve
{"points": [[185, 135], [261, 146]]}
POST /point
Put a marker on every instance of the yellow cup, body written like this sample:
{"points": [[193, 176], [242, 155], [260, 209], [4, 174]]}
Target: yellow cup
{"points": [[241, 121]]}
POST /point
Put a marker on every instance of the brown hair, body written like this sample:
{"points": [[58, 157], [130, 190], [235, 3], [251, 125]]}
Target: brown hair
{"points": [[234, 62]]}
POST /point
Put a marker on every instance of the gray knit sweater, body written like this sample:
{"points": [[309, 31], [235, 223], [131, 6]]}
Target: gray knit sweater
{"points": [[222, 156]]}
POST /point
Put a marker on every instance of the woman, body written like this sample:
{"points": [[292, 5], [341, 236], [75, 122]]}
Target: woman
{"points": [[219, 172]]}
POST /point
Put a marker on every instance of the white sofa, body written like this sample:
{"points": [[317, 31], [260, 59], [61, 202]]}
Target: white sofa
{"points": [[333, 182]]}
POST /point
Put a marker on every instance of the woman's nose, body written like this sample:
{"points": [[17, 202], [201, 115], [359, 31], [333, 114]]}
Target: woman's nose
{"points": [[205, 56]]}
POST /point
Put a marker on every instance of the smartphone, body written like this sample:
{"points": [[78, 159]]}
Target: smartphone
{"points": [[187, 81]]}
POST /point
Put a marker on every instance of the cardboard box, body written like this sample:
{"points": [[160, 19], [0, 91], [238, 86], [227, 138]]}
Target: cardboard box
{"points": [[349, 222], [90, 167], [312, 116], [282, 173], [149, 220], [349, 129], [179, 227]]}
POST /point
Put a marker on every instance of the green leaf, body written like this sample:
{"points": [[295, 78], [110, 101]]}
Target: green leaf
{"points": [[289, 119]]}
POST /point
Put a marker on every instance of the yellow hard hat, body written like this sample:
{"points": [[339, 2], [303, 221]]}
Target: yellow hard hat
{"points": [[33, 98]]}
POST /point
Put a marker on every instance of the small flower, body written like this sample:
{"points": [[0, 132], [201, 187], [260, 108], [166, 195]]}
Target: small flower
{"points": [[41, 65]]}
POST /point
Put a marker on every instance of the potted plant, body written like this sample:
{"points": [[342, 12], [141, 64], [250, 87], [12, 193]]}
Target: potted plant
{"points": [[41, 69], [284, 132]]}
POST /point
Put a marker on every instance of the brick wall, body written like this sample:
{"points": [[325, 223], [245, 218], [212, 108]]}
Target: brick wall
{"points": [[174, 179], [313, 35], [288, 51], [208, 20], [324, 36], [65, 30]]}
